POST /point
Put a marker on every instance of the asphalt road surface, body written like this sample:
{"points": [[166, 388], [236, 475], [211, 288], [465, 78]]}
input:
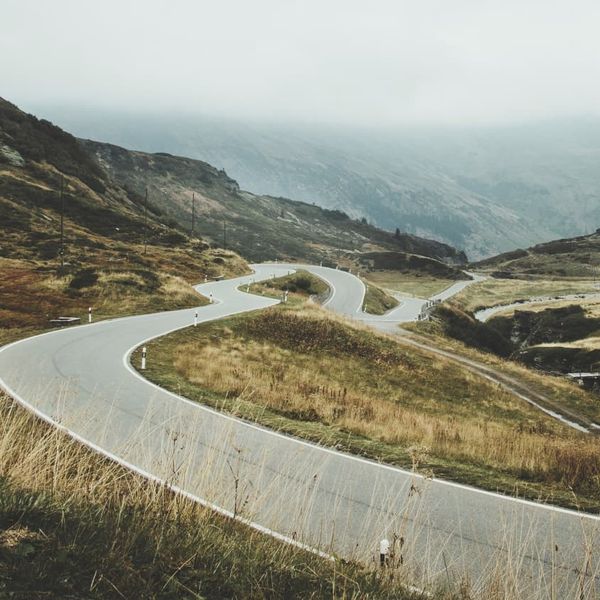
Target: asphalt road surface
{"points": [[81, 379]]}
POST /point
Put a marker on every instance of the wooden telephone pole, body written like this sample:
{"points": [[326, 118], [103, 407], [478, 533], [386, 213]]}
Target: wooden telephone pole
{"points": [[193, 212], [62, 223], [146, 221]]}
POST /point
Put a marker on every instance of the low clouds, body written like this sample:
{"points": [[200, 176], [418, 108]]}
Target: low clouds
{"points": [[387, 63]]}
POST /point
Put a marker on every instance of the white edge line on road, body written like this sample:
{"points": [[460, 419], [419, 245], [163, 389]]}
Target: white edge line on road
{"points": [[174, 488], [256, 526], [199, 406]]}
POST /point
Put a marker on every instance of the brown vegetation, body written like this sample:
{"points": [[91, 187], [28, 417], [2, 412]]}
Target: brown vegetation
{"points": [[325, 379]]}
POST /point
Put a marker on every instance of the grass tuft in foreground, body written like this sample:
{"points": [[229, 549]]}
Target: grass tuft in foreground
{"points": [[76, 525]]}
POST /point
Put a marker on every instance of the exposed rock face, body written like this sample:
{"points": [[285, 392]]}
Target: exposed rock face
{"points": [[11, 156]]}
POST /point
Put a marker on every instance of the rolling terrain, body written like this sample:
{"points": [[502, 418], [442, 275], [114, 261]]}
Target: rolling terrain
{"points": [[538, 306], [484, 190], [124, 255], [258, 227]]}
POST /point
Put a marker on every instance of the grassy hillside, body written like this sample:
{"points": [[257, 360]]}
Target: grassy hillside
{"points": [[258, 227], [409, 273], [322, 378], [571, 257], [117, 259], [484, 189]]}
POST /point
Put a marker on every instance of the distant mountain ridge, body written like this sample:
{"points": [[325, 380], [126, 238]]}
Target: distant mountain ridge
{"points": [[569, 257], [104, 189], [483, 190], [258, 227]]}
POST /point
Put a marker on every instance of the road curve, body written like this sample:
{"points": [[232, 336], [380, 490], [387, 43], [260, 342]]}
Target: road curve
{"points": [[81, 379]]}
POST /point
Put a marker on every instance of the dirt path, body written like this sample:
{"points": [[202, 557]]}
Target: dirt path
{"points": [[509, 383]]}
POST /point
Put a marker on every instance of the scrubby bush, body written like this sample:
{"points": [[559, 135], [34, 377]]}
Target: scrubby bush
{"points": [[83, 279]]}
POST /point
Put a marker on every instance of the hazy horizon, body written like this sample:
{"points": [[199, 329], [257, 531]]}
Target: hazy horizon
{"points": [[395, 65]]}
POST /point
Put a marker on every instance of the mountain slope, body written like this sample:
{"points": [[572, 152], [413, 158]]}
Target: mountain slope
{"points": [[116, 258], [486, 190], [258, 227], [570, 257]]}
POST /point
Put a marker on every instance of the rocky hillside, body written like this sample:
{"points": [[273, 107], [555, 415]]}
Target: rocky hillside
{"points": [[257, 227], [117, 257], [572, 257], [484, 190]]}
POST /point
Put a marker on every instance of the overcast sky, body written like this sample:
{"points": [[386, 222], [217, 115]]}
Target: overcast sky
{"points": [[371, 63]]}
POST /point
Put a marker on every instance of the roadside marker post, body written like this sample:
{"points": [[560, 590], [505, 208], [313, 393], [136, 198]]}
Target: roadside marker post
{"points": [[90, 314], [144, 358], [384, 552], [196, 319], [210, 297]]}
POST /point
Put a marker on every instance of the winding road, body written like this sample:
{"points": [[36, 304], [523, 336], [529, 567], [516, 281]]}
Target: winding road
{"points": [[80, 379]]}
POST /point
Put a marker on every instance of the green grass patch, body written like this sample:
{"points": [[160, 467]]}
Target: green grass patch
{"points": [[378, 302], [412, 284]]}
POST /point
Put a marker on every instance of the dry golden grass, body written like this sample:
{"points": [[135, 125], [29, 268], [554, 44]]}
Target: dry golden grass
{"points": [[422, 286], [493, 292], [75, 525], [262, 373], [372, 389]]}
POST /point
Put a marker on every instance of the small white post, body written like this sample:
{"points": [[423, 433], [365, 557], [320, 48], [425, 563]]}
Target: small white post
{"points": [[143, 358], [285, 295], [205, 278], [90, 314], [196, 319], [384, 551], [321, 264], [248, 287], [210, 297]]}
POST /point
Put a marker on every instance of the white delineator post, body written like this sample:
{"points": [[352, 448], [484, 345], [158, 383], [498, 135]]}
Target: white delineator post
{"points": [[143, 358], [210, 298], [384, 551], [90, 314], [196, 319]]}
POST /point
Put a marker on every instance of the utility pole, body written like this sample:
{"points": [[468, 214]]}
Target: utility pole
{"points": [[146, 221], [193, 212], [62, 223], [224, 235]]}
